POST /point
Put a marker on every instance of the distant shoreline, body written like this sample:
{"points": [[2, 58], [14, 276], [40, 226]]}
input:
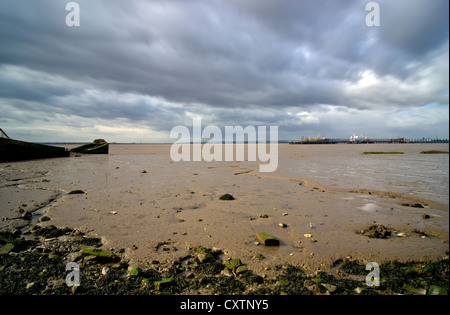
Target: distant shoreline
{"points": [[331, 141]]}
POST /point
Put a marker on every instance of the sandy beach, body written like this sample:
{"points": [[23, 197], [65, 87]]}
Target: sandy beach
{"points": [[316, 203]]}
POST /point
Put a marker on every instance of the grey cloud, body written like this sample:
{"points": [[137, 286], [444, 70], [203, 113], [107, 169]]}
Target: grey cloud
{"points": [[232, 61]]}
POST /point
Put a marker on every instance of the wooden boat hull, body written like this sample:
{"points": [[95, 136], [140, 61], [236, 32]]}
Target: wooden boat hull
{"points": [[15, 150], [92, 148]]}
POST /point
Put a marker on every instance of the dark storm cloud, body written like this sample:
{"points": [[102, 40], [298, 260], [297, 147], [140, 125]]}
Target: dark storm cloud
{"points": [[235, 62]]}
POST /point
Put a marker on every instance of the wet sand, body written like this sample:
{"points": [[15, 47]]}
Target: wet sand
{"points": [[331, 192]]}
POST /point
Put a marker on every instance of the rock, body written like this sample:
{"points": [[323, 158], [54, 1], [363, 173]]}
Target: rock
{"points": [[144, 172], [100, 255], [414, 291], [377, 231], [233, 263], [5, 249], [264, 216], [227, 273], [136, 271], [163, 284], [241, 269], [30, 285], [258, 257], [282, 225], [227, 197], [97, 252], [267, 239], [76, 192], [330, 288], [27, 215], [204, 255], [426, 216], [145, 283], [312, 286], [415, 205], [435, 290], [358, 290], [105, 271], [44, 219]]}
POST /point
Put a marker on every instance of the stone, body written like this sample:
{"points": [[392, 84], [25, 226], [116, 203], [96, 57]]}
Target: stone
{"points": [[377, 231], [136, 271], [30, 285], [226, 197], [204, 255], [105, 271], [227, 273], [435, 290], [27, 215], [99, 255], [267, 239], [76, 192], [258, 257], [97, 252], [163, 284], [358, 290], [329, 287], [5, 249], [414, 291], [282, 225], [241, 269], [311, 286], [233, 263]]}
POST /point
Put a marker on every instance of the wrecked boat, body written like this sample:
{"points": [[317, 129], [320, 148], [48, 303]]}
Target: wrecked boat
{"points": [[98, 146], [15, 150]]}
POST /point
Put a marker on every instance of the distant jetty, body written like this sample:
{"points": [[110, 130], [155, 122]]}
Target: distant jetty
{"points": [[356, 140]]}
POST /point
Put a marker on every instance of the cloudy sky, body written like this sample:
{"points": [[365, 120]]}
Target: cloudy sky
{"points": [[135, 69]]}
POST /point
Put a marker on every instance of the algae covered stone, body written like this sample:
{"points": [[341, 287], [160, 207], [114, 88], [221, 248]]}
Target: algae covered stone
{"points": [[267, 240], [435, 290], [6, 248], [100, 255], [233, 263], [97, 252], [163, 284], [204, 255], [136, 271]]}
